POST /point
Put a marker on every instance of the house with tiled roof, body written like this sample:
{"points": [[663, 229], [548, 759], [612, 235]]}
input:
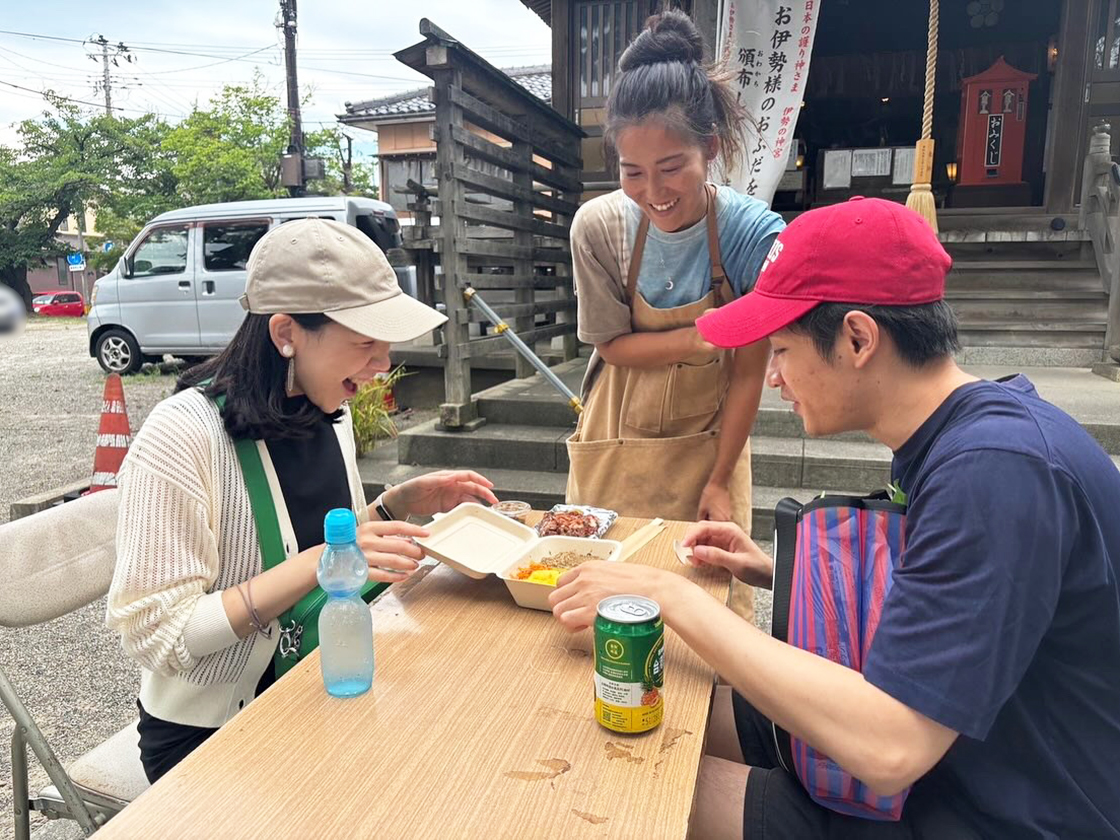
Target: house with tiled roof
{"points": [[403, 123]]}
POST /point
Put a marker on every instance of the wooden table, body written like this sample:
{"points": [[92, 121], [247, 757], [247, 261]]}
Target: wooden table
{"points": [[480, 723]]}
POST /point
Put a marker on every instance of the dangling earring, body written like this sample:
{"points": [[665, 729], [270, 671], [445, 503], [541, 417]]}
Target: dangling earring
{"points": [[289, 353]]}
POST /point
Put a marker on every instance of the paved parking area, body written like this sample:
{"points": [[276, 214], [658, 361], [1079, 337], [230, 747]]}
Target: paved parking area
{"points": [[69, 672]]}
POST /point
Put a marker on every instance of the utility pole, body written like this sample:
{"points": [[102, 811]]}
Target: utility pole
{"points": [[110, 54], [293, 161], [106, 82], [347, 164]]}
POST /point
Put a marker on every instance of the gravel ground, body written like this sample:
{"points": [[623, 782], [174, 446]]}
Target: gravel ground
{"points": [[70, 672]]}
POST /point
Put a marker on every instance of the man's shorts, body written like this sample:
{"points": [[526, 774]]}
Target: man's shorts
{"points": [[777, 807]]}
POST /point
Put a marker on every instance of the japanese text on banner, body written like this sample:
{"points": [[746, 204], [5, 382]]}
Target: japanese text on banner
{"points": [[767, 45]]}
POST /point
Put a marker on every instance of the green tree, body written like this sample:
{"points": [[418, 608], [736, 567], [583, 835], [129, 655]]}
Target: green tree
{"points": [[330, 144], [64, 164], [231, 150], [130, 170]]}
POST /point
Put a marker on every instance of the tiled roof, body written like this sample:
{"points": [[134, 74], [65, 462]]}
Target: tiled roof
{"points": [[543, 8], [537, 80]]}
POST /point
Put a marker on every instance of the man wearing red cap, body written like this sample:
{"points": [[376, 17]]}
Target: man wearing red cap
{"points": [[992, 685]]}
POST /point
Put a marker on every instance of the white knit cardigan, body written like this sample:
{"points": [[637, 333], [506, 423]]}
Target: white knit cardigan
{"points": [[185, 532]]}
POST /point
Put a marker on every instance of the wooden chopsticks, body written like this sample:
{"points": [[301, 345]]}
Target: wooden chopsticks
{"points": [[640, 537]]}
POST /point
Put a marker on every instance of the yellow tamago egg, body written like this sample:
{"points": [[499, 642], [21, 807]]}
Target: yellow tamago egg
{"points": [[545, 576]]}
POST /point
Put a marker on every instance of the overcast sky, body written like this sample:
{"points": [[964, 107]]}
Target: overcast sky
{"points": [[185, 52]]}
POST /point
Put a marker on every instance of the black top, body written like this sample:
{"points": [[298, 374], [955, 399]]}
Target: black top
{"points": [[313, 479]]}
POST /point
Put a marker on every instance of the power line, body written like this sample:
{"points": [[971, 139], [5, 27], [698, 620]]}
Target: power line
{"points": [[45, 94], [213, 64]]}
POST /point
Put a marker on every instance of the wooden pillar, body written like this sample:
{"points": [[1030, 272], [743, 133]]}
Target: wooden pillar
{"points": [[567, 291], [705, 14], [522, 177], [457, 411], [1068, 127], [563, 90]]}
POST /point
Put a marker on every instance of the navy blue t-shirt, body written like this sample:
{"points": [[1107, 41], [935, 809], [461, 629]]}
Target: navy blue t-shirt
{"points": [[1003, 622]]}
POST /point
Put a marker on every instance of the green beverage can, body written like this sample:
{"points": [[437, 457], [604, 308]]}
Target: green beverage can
{"points": [[629, 664]]}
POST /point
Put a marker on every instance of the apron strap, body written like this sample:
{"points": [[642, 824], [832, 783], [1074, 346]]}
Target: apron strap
{"points": [[719, 276], [636, 259]]}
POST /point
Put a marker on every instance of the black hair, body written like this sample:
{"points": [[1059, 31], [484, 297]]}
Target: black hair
{"points": [[252, 375], [663, 73], [922, 334]]}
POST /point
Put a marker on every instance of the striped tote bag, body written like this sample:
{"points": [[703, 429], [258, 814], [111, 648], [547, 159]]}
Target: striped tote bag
{"points": [[833, 560]]}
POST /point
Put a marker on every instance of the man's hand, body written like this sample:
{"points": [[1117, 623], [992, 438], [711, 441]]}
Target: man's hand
{"points": [[725, 545], [579, 591]]}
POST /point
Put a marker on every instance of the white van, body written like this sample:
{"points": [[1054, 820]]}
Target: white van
{"points": [[176, 288]]}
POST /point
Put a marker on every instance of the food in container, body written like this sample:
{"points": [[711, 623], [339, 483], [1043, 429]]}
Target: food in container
{"points": [[576, 521], [478, 541], [543, 570], [513, 509], [548, 558]]}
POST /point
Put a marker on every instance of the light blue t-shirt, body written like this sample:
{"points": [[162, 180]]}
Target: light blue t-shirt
{"points": [[747, 228]]}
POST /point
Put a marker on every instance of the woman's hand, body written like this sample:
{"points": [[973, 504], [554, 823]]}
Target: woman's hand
{"points": [[701, 344], [438, 492], [715, 503], [389, 549], [725, 544]]}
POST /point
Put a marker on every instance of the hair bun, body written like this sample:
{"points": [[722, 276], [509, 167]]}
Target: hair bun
{"points": [[669, 36]]}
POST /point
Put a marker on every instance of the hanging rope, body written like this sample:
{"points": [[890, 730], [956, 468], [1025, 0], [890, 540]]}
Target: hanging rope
{"points": [[921, 190]]}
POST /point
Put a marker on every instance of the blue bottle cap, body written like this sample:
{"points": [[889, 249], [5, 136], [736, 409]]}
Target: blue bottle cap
{"points": [[340, 526]]}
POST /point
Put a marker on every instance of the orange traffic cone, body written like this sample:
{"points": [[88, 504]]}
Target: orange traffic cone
{"points": [[113, 436]]}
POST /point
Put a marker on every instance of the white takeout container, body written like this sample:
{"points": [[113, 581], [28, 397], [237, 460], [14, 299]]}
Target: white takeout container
{"points": [[478, 541], [535, 595]]}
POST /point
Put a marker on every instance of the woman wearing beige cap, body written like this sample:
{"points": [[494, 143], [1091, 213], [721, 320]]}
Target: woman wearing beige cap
{"points": [[211, 581]]}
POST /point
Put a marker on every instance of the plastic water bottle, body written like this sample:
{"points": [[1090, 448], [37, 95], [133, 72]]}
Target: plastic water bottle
{"points": [[345, 624]]}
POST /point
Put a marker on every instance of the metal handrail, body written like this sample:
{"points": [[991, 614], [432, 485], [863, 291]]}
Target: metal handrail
{"points": [[1100, 216], [502, 328]]}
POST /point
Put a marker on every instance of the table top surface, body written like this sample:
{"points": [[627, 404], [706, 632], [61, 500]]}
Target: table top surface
{"points": [[480, 723]]}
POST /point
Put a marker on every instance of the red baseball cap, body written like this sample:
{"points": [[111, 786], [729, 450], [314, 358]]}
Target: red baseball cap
{"points": [[866, 251]]}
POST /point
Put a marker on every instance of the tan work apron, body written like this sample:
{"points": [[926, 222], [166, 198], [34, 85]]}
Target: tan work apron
{"points": [[647, 439]]}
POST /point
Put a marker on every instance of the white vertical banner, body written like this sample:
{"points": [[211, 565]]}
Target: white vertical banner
{"points": [[767, 44]]}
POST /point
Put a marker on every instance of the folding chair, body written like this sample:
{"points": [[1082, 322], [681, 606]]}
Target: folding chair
{"points": [[53, 563]]}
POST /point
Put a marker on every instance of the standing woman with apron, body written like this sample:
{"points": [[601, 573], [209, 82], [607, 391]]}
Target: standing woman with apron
{"points": [[666, 419]]}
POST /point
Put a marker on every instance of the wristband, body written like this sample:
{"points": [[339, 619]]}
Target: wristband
{"points": [[382, 511]]}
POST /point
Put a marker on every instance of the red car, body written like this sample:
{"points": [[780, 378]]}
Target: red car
{"points": [[64, 304]]}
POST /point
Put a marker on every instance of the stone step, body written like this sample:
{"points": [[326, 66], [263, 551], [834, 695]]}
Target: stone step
{"points": [[1014, 283], [536, 448], [540, 489], [776, 461], [1086, 315], [1015, 323], [832, 464], [1027, 343], [985, 263], [1021, 353], [526, 410], [1089, 399], [765, 499], [965, 295], [1028, 250]]}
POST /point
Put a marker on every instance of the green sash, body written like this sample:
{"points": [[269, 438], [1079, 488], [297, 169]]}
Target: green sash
{"points": [[299, 625]]}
